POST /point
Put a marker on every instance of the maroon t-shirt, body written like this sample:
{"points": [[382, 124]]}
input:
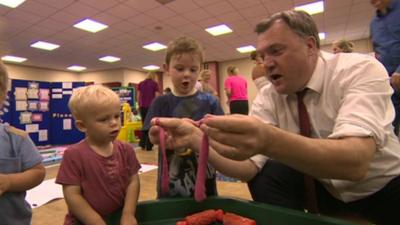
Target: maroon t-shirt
{"points": [[103, 180]]}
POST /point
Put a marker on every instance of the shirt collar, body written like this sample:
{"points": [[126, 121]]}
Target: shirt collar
{"points": [[316, 80]]}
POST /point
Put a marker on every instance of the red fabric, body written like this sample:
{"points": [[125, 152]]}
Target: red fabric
{"points": [[233, 219], [311, 203], [202, 218], [103, 180]]}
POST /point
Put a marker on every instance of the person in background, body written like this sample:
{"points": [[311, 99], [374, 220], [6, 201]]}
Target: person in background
{"points": [[147, 90], [205, 76], [236, 91], [183, 62], [99, 174], [167, 90], [21, 168], [258, 74], [385, 35], [342, 46], [318, 138]]}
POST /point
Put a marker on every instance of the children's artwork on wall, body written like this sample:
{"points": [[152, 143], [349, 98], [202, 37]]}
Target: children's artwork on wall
{"points": [[33, 93], [67, 92], [56, 96], [44, 94], [33, 105], [32, 128], [21, 105], [25, 118], [43, 135], [67, 124], [67, 85], [20, 93], [37, 117], [33, 85], [43, 106], [56, 90]]}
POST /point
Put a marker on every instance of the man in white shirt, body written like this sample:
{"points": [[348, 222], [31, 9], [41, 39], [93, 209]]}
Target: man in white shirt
{"points": [[351, 152]]}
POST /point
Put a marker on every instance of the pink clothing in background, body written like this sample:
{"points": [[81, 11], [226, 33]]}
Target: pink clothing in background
{"points": [[148, 89], [103, 180], [238, 86]]}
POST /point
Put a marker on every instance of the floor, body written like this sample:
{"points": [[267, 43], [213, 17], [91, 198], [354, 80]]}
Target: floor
{"points": [[54, 212]]}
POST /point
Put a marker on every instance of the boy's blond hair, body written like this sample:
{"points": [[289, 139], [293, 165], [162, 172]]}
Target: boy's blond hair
{"points": [[3, 83], [84, 98], [183, 45]]}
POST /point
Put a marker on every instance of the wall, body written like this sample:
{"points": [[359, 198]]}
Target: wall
{"points": [[133, 76], [32, 73]]}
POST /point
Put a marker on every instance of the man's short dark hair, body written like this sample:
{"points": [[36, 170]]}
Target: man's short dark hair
{"points": [[299, 22]]}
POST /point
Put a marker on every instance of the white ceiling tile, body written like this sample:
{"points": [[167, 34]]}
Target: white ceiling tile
{"points": [[220, 8], [162, 13], [40, 9], [122, 11], [99, 5], [143, 20], [196, 15], [142, 6], [60, 4], [182, 6], [176, 21], [80, 9]]}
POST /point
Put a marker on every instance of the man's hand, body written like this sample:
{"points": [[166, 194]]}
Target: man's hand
{"points": [[180, 133], [4, 183], [395, 80], [237, 137]]}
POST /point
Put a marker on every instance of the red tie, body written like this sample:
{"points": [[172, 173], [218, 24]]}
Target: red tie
{"points": [[305, 129]]}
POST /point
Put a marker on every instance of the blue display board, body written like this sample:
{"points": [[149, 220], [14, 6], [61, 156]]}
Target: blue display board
{"points": [[29, 109], [63, 129]]}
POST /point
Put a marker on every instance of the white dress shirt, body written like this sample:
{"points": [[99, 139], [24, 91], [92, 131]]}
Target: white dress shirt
{"points": [[349, 95]]}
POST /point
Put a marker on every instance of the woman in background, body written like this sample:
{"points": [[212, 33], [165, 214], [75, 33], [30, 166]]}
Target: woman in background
{"points": [[147, 90], [342, 46], [205, 76], [236, 91]]}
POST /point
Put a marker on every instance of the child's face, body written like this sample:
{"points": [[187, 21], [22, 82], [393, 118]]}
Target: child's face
{"points": [[102, 124], [184, 72]]}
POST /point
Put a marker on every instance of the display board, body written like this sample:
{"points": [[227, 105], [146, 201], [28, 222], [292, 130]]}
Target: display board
{"points": [[29, 109], [63, 126]]}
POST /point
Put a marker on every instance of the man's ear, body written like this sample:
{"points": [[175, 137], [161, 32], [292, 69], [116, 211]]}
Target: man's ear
{"points": [[80, 125], [311, 45]]}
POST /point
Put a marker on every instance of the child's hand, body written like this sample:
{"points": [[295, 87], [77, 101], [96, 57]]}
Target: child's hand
{"points": [[128, 219], [4, 183]]}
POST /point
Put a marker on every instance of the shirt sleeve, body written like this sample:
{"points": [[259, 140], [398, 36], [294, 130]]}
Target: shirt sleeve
{"points": [[69, 172], [366, 108], [228, 84], [29, 154]]}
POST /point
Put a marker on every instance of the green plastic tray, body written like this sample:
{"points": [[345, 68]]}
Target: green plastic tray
{"points": [[168, 211]]}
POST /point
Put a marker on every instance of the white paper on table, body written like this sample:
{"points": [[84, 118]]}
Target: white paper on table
{"points": [[56, 96], [67, 124], [67, 85], [20, 93], [47, 191], [32, 128], [147, 168], [42, 135], [21, 105]]}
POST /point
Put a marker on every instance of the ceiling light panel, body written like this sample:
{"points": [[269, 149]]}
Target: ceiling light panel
{"points": [[45, 45], [90, 25], [246, 49], [109, 59], [322, 35], [76, 68], [155, 46], [151, 67], [16, 59], [11, 3], [219, 30], [311, 8]]}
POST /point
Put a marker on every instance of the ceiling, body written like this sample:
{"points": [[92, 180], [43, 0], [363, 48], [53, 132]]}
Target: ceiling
{"points": [[133, 23]]}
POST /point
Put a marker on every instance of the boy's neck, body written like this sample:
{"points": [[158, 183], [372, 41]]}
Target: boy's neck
{"points": [[104, 149], [194, 90]]}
